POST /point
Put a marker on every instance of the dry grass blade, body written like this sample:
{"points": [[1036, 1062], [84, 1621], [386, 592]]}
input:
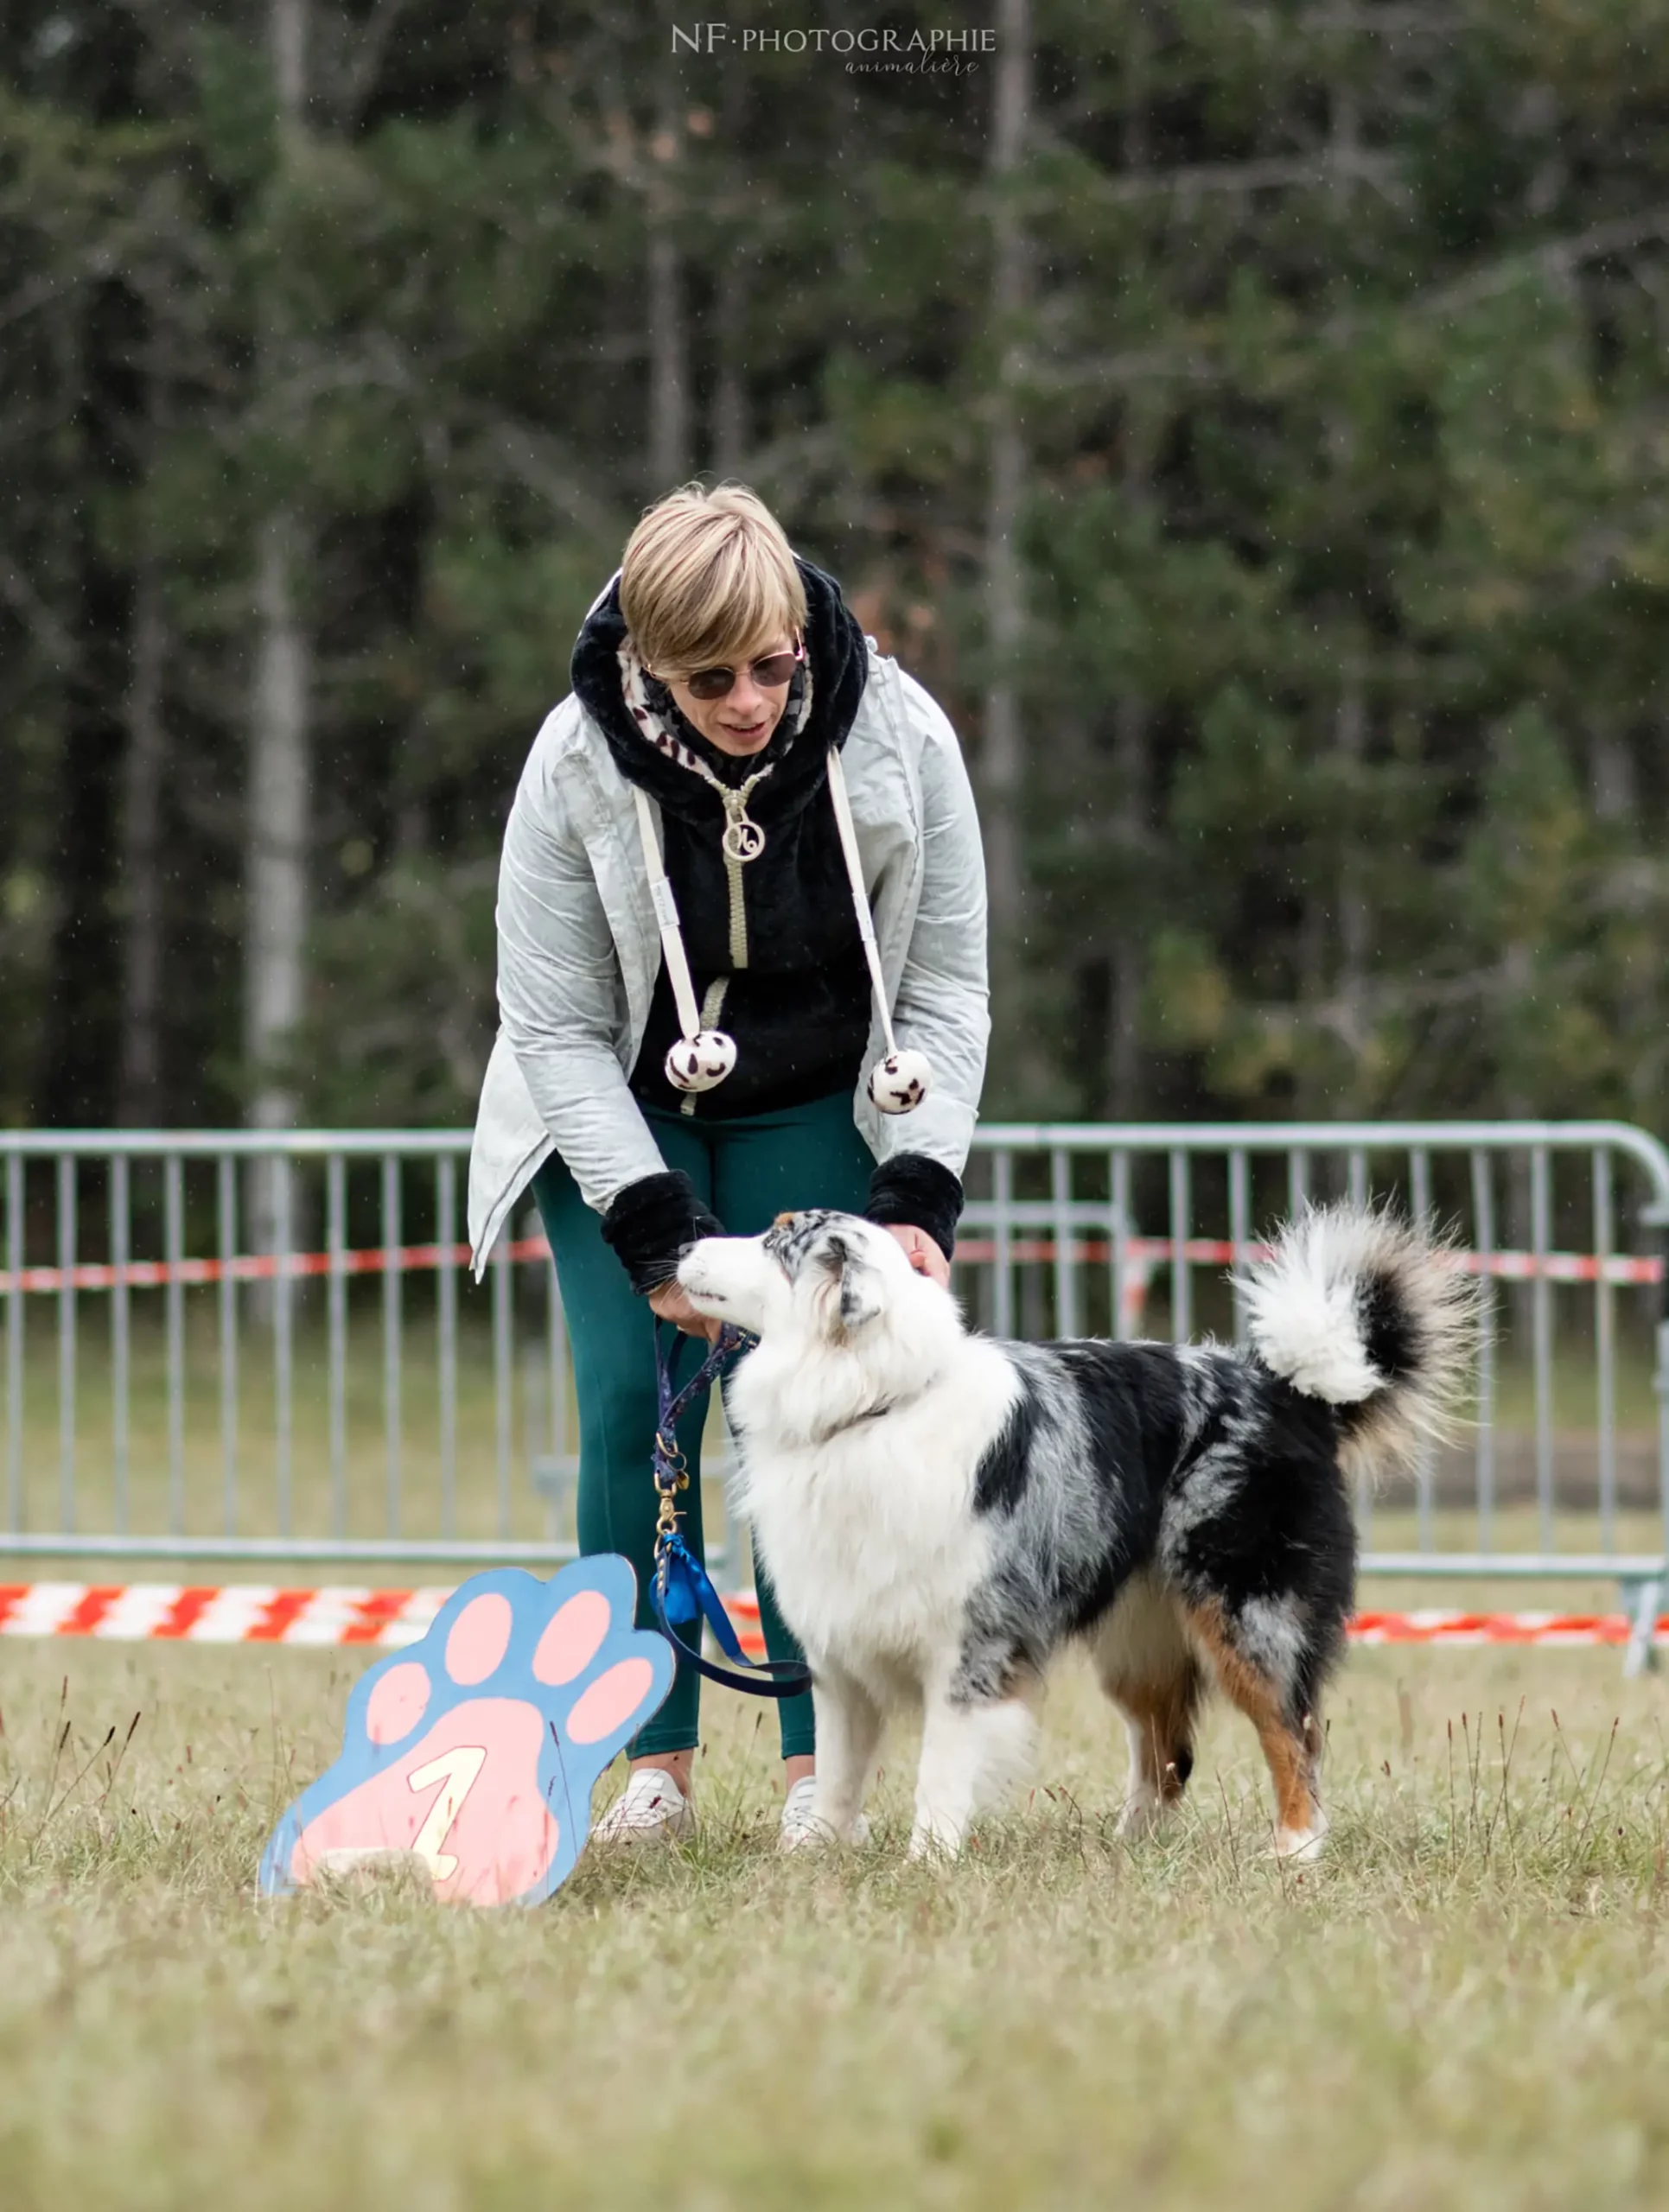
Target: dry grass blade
{"points": [[1462, 2004]]}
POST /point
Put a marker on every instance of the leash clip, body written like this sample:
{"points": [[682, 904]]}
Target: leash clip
{"points": [[671, 1476], [680, 1589]]}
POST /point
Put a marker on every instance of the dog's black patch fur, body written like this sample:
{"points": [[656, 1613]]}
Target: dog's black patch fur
{"points": [[1391, 1336], [1200, 1464], [1000, 1480]]}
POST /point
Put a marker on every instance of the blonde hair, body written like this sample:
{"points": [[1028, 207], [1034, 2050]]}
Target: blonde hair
{"points": [[708, 577]]}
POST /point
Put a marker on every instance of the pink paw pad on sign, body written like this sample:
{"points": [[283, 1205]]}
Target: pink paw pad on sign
{"points": [[474, 1753]]}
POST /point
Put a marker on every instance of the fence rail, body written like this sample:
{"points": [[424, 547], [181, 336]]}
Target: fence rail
{"points": [[286, 1365]]}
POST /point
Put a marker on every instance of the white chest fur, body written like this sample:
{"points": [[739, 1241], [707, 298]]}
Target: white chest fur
{"points": [[867, 1526]]}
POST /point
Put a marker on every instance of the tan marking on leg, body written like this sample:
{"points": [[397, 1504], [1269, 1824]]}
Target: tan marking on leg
{"points": [[1162, 1717], [1293, 1754]]}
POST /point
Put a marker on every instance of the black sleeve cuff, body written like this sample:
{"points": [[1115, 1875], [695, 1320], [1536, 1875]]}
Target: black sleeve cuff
{"points": [[650, 1224], [912, 1190]]}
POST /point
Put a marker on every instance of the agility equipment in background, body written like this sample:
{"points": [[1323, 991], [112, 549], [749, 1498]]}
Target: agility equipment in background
{"points": [[473, 1752]]}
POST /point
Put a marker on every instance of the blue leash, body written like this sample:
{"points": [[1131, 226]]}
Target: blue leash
{"points": [[682, 1589]]}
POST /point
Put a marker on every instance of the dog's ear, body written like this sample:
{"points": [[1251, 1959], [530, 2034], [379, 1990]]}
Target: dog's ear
{"points": [[860, 1299]]}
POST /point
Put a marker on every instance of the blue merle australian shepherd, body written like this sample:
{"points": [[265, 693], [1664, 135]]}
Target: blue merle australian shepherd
{"points": [[939, 1511]]}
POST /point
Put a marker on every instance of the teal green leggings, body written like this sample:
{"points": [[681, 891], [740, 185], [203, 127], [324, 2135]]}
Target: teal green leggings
{"points": [[748, 1171]]}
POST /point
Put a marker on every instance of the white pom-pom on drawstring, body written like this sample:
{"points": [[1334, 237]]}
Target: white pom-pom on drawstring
{"points": [[901, 1080], [900, 1083], [699, 1062], [703, 1058]]}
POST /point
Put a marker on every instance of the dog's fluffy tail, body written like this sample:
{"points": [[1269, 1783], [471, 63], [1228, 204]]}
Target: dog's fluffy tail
{"points": [[1357, 1307]]}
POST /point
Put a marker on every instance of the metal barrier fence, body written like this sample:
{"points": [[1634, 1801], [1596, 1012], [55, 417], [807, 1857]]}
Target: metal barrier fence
{"points": [[336, 1393]]}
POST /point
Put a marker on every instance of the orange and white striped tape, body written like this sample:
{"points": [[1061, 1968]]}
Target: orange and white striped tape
{"points": [[255, 1267], [1142, 1256], [1150, 1252], [1554, 1630], [254, 1613], [232, 1613]]}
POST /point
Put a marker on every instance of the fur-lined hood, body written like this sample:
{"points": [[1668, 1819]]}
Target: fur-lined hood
{"points": [[839, 666]]}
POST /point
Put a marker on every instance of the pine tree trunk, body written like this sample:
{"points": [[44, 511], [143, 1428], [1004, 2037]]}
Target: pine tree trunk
{"points": [[1611, 782], [139, 1065], [729, 410], [1130, 753], [277, 832], [1350, 715], [1355, 921], [729, 390], [1003, 762], [669, 404], [280, 767], [668, 336], [287, 28], [1132, 721]]}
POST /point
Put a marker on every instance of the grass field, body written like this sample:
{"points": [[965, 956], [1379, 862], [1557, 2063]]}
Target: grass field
{"points": [[1467, 2004]]}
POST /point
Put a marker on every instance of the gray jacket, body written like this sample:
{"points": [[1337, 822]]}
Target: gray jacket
{"points": [[579, 952]]}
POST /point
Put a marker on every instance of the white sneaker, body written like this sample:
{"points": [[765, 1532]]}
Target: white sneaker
{"points": [[653, 1809], [800, 1824]]}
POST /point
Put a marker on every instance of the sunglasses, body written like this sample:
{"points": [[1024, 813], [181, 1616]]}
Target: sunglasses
{"points": [[770, 674]]}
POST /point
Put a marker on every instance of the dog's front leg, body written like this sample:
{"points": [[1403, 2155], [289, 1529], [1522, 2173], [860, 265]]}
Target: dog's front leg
{"points": [[971, 1752], [848, 1736]]}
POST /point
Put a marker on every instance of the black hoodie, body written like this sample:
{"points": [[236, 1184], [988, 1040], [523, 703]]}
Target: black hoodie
{"points": [[799, 1008]]}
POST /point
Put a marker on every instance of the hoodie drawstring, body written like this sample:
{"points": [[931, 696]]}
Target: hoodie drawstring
{"points": [[703, 1058]]}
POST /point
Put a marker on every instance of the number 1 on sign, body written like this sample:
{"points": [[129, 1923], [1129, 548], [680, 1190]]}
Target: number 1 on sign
{"points": [[457, 1772]]}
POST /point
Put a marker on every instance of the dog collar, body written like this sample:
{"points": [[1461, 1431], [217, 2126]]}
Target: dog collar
{"points": [[869, 1412]]}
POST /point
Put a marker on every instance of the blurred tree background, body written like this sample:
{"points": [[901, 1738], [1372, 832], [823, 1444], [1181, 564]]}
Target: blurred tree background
{"points": [[1249, 420]]}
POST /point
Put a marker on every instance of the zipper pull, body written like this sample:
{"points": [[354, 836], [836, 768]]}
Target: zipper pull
{"points": [[744, 839]]}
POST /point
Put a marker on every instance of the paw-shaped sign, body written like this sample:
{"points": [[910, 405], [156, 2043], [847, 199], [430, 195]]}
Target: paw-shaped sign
{"points": [[474, 1752]]}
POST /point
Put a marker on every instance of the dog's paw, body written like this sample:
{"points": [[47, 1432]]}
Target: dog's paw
{"points": [[804, 1828], [474, 1753], [938, 1844], [1142, 1816], [1300, 1846]]}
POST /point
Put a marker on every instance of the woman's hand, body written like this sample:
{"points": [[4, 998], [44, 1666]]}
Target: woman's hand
{"points": [[671, 1302], [923, 1255]]}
